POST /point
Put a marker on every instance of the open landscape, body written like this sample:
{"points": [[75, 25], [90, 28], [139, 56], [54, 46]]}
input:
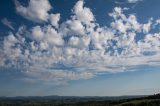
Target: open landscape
{"points": [[79, 52], [153, 100]]}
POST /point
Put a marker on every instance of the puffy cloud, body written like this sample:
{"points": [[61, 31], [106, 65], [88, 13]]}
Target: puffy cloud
{"points": [[75, 27], [46, 35], [54, 18], [37, 10], [117, 12], [120, 26], [147, 26], [79, 42], [123, 23], [11, 50], [74, 41], [37, 33], [151, 41], [134, 23], [82, 13], [79, 48]]}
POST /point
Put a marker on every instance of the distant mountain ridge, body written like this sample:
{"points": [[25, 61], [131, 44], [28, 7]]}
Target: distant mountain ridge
{"points": [[56, 97], [55, 100]]}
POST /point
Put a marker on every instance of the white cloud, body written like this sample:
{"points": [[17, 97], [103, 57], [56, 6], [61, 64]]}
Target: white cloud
{"points": [[46, 35], [134, 23], [82, 13], [37, 33], [134, 1], [119, 25], [147, 26], [7, 23], [37, 10], [74, 41], [75, 27], [79, 48], [158, 21], [54, 18]]}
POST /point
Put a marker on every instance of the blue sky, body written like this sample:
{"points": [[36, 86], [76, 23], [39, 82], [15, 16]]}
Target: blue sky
{"points": [[79, 47]]}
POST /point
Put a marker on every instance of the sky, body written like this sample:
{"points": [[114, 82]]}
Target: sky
{"points": [[79, 47]]}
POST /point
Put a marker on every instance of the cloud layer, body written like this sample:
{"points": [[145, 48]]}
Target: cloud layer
{"points": [[78, 48]]}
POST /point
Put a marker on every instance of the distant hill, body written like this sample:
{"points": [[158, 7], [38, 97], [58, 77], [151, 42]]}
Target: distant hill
{"points": [[152, 100], [56, 97]]}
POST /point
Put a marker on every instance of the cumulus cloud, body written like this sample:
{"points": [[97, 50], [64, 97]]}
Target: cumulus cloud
{"points": [[79, 48], [82, 13], [147, 26], [54, 19], [37, 10]]}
